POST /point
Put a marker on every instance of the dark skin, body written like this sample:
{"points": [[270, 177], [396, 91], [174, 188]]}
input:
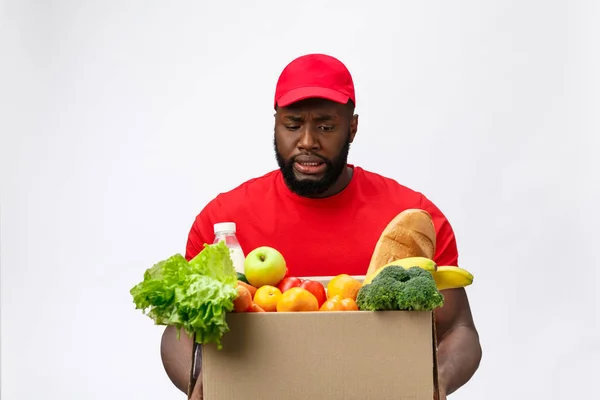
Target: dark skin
{"points": [[459, 350], [321, 129]]}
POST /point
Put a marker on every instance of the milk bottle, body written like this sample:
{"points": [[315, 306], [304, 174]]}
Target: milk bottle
{"points": [[225, 231]]}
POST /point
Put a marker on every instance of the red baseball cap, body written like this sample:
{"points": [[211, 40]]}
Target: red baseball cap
{"points": [[314, 75]]}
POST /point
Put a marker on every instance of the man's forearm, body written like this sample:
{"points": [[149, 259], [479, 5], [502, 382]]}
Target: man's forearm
{"points": [[459, 354]]}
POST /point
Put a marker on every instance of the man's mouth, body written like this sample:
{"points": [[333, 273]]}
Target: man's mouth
{"points": [[310, 167]]}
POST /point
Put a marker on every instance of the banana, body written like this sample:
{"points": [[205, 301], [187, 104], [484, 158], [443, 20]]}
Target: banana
{"points": [[406, 263], [450, 277]]}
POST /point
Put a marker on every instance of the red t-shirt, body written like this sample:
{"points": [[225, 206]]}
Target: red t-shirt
{"points": [[317, 237]]}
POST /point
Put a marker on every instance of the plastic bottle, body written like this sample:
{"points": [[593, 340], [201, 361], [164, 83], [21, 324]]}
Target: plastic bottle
{"points": [[225, 231]]}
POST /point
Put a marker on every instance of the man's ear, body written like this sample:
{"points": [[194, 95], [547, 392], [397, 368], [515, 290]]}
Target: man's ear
{"points": [[353, 127]]}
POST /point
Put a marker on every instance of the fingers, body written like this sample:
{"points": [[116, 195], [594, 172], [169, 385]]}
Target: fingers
{"points": [[197, 393]]}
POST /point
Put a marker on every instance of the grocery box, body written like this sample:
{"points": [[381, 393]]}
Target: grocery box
{"points": [[343, 355], [289, 341]]}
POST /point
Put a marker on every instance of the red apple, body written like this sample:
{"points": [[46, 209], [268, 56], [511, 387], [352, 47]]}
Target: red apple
{"points": [[317, 289], [288, 283]]}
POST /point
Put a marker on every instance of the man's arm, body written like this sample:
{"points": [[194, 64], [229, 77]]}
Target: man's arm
{"points": [[459, 350], [176, 355]]}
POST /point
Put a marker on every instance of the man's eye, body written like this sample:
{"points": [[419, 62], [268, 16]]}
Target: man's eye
{"points": [[326, 128], [292, 127]]}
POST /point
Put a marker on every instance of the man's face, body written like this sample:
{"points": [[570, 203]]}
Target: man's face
{"points": [[312, 141]]}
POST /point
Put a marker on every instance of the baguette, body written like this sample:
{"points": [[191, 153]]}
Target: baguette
{"points": [[410, 234]]}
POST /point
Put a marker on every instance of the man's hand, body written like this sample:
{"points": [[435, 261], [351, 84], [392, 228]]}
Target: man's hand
{"points": [[197, 392], [442, 393]]}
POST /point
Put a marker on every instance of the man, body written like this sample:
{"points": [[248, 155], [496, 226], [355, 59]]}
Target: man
{"points": [[324, 214]]}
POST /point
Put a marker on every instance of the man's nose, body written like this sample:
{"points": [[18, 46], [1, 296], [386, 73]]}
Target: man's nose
{"points": [[308, 140]]}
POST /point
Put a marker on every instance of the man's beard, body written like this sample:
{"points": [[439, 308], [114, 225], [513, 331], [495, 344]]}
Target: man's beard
{"points": [[313, 187]]}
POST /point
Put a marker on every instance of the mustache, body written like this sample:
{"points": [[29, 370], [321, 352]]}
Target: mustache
{"points": [[310, 154]]}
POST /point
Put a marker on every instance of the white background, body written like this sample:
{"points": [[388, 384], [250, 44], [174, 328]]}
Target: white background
{"points": [[120, 119]]}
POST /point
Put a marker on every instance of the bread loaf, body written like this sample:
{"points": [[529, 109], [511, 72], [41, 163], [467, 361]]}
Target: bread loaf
{"points": [[410, 234]]}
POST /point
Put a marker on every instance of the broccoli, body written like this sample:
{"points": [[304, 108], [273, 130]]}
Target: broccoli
{"points": [[419, 294], [414, 272], [412, 289], [380, 295], [395, 272]]}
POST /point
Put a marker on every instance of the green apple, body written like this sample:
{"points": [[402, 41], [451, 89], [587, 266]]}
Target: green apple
{"points": [[264, 266]]}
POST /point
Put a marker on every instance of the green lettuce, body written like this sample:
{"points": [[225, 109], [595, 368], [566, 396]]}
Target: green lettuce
{"points": [[195, 295]]}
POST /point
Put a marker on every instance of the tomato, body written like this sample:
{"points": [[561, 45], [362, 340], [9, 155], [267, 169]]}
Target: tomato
{"points": [[333, 304], [317, 289], [288, 283], [337, 303], [349, 304]]}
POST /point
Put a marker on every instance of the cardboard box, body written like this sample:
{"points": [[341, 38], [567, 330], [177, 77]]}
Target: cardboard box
{"points": [[343, 355]]}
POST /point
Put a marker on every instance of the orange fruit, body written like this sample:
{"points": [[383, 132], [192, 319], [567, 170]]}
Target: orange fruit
{"points": [[297, 299], [349, 304], [343, 285], [266, 297], [333, 304]]}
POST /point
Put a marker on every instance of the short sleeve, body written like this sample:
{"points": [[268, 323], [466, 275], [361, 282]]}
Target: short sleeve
{"points": [[201, 232], [446, 252]]}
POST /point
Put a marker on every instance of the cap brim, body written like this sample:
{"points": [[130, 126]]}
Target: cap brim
{"points": [[309, 93]]}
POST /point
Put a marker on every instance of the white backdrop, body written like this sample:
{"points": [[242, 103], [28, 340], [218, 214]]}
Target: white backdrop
{"points": [[120, 120]]}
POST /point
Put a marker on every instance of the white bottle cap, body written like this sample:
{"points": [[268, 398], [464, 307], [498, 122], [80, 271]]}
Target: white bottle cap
{"points": [[224, 227]]}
